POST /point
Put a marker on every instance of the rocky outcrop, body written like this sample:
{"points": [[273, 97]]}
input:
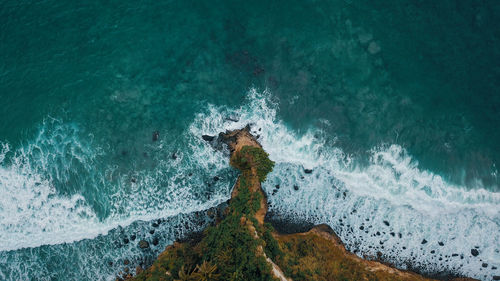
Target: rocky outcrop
{"points": [[317, 254]]}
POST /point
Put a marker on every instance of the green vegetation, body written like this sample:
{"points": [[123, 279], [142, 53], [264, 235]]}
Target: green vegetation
{"points": [[312, 257], [251, 156], [229, 250]]}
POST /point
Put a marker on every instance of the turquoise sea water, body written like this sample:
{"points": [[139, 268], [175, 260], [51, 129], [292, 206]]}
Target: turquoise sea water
{"points": [[395, 107]]}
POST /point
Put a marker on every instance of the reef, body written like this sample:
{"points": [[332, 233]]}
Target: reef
{"points": [[241, 245]]}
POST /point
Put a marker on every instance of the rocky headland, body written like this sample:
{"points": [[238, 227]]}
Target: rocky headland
{"points": [[241, 245]]}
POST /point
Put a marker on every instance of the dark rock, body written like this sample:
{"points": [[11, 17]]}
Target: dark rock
{"points": [[208, 138], [132, 237], [190, 174], [432, 252], [174, 156], [484, 264], [216, 178], [496, 277], [152, 231], [133, 180], [156, 135], [386, 223], [155, 241], [308, 171], [296, 187], [454, 255], [257, 137], [110, 263], [441, 243], [126, 262], [277, 186], [158, 221], [143, 244], [154, 224], [125, 240], [424, 241], [378, 233], [392, 234], [361, 227], [400, 235], [493, 267], [474, 252]]}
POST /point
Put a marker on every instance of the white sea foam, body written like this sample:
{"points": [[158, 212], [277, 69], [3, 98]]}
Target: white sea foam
{"points": [[359, 201], [38, 207]]}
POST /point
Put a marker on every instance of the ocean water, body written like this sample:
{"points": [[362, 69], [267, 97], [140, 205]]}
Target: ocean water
{"points": [[394, 106]]}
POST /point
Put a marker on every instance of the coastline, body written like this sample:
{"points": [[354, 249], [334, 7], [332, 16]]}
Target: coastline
{"points": [[286, 237]]}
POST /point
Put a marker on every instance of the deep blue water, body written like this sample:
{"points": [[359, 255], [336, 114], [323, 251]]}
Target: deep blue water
{"points": [[396, 104]]}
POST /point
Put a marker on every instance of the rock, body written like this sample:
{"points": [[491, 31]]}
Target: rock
{"points": [[474, 252], [143, 244], [308, 171], [208, 138], [133, 180], [154, 224], [110, 263], [152, 231], [216, 178], [174, 156], [156, 241], [125, 240], [424, 241], [138, 270], [132, 237], [441, 243], [392, 234], [386, 223], [496, 277], [126, 262], [484, 264], [296, 187], [277, 186], [126, 269], [156, 135], [432, 252]]}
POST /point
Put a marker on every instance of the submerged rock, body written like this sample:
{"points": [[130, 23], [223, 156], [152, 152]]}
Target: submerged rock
{"points": [[308, 171], [474, 252], [156, 135], [296, 187], [143, 244]]}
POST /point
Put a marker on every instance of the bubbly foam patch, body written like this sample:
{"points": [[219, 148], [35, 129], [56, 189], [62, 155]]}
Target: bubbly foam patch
{"points": [[50, 187], [390, 208]]}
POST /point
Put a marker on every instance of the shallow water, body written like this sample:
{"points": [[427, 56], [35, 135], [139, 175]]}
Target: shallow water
{"points": [[394, 107]]}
